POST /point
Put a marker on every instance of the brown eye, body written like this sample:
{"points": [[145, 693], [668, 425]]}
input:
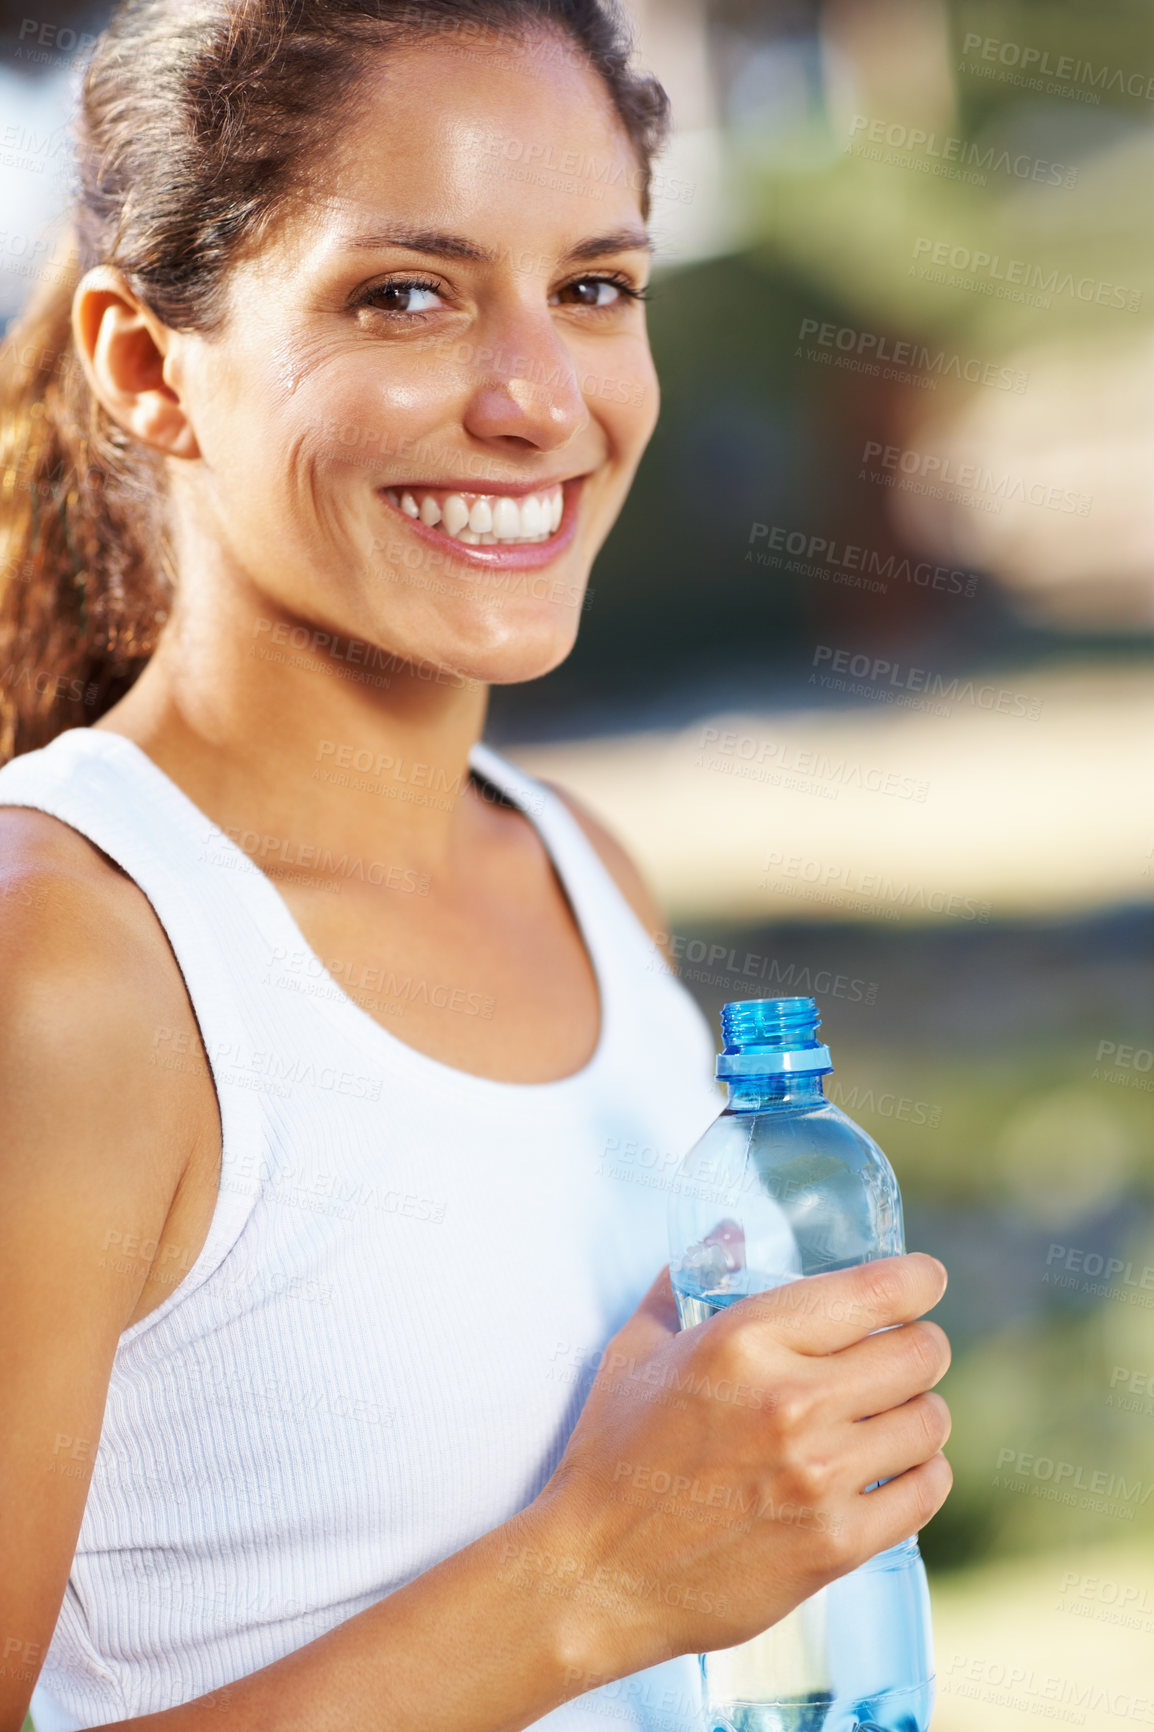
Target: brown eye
{"points": [[404, 297], [596, 292]]}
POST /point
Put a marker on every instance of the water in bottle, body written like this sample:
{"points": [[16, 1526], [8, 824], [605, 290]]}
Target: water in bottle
{"points": [[784, 1185]]}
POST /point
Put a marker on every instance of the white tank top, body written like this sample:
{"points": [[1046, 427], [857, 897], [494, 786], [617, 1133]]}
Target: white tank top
{"points": [[383, 1345]]}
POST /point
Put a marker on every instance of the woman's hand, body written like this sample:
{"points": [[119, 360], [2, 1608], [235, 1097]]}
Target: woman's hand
{"points": [[717, 1476]]}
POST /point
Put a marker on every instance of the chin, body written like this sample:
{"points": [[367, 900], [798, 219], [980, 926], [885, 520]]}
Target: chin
{"points": [[512, 647]]}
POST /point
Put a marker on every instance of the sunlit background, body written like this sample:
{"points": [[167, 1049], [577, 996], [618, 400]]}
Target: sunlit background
{"points": [[866, 686]]}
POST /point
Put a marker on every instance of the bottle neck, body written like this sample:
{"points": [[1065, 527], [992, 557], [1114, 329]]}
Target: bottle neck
{"points": [[750, 1094]]}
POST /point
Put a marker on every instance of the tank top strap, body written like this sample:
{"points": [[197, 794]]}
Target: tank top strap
{"points": [[227, 922], [618, 941], [224, 925], [104, 787], [107, 789]]}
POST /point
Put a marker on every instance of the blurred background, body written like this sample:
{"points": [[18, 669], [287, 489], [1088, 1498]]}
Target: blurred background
{"points": [[865, 684]]}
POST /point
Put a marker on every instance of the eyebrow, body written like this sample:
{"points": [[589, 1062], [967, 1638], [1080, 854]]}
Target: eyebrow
{"points": [[438, 244]]}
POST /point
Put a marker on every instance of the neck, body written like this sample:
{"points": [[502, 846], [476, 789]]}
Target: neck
{"points": [[310, 737], [758, 1094]]}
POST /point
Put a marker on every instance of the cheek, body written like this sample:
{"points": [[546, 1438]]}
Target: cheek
{"points": [[352, 429], [626, 401], [354, 412]]}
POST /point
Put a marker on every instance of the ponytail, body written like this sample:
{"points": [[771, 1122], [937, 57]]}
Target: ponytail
{"points": [[82, 590]]}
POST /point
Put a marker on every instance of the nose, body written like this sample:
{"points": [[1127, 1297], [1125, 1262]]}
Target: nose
{"points": [[527, 391]]}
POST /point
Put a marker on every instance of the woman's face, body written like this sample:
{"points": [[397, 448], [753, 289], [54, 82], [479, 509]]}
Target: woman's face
{"points": [[433, 386]]}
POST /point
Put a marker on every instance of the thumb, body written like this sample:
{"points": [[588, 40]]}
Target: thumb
{"points": [[654, 1322]]}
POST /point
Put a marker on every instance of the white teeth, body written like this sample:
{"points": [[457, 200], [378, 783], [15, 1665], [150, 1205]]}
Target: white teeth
{"points": [[507, 518], [492, 518], [456, 514]]}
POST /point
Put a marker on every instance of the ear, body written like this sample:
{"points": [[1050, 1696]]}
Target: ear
{"points": [[132, 362]]}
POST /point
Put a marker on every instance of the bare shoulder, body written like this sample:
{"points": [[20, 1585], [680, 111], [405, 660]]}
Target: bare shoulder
{"points": [[617, 863], [67, 910], [89, 981], [94, 1146]]}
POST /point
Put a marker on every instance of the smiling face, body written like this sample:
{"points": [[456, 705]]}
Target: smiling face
{"points": [[433, 386]]}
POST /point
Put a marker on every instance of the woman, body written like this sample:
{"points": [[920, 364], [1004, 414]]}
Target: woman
{"points": [[325, 1030]]}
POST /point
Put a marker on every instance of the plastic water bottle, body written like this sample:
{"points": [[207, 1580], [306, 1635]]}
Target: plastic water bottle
{"points": [[784, 1185]]}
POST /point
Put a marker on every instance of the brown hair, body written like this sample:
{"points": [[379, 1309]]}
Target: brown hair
{"points": [[195, 119]]}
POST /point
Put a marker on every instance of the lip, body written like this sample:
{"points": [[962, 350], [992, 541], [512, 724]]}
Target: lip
{"points": [[526, 558]]}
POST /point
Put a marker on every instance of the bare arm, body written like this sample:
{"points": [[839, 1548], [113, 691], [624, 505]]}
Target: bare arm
{"points": [[92, 1153], [588, 1585], [601, 1576], [94, 1143], [463, 1647]]}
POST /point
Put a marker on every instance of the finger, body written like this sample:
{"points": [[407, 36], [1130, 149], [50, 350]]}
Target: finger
{"points": [[895, 1442], [885, 1370], [655, 1320], [820, 1314], [896, 1511]]}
